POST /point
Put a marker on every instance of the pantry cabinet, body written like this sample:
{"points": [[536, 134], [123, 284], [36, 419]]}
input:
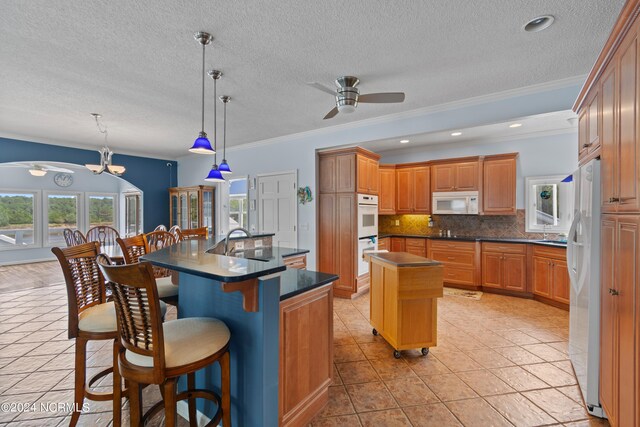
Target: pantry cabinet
{"points": [[459, 176], [387, 190], [413, 189]]}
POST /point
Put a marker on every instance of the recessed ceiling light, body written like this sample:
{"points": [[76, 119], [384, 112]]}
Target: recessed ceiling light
{"points": [[539, 23], [456, 133], [404, 141], [515, 125]]}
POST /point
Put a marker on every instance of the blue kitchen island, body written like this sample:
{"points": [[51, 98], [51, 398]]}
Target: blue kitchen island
{"points": [[246, 292]]}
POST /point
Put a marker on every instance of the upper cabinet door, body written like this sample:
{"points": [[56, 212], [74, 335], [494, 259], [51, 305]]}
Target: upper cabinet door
{"points": [[629, 166], [387, 190], [499, 187], [346, 173], [583, 134], [328, 174], [372, 172], [466, 176], [422, 190], [363, 174], [593, 123], [404, 190], [608, 140], [443, 177]]}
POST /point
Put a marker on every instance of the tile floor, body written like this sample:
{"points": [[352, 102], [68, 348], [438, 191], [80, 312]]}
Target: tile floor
{"points": [[500, 361]]}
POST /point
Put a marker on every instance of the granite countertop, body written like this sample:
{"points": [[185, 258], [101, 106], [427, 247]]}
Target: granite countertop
{"points": [[403, 259], [191, 256], [269, 253], [294, 282], [553, 243]]}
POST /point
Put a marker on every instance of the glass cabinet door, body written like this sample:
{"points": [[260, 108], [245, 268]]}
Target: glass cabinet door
{"points": [[174, 210], [193, 210], [207, 210], [184, 211]]}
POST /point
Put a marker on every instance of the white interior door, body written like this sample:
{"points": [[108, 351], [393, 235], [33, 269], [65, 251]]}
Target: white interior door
{"points": [[277, 209]]}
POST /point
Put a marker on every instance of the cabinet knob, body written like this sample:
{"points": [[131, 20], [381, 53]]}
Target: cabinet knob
{"points": [[586, 145], [613, 199], [613, 292]]}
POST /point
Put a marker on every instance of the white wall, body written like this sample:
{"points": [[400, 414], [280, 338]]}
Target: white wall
{"points": [[299, 151], [544, 155], [84, 181]]}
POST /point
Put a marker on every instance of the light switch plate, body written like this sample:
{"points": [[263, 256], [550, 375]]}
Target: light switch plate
{"points": [[257, 243], [239, 246], [397, 222]]}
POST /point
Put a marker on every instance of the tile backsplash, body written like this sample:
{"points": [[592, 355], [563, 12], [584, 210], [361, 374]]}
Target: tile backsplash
{"points": [[460, 225]]}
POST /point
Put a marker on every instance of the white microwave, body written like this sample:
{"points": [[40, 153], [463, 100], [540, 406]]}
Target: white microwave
{"points": [[455, 203]]}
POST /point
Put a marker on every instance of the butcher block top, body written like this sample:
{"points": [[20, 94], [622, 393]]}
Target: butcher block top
{"points": [[403, 259]]}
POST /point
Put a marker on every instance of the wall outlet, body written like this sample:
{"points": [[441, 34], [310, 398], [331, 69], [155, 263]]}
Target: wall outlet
{"points": [[397, 222], [239, 246], [257, 243]]}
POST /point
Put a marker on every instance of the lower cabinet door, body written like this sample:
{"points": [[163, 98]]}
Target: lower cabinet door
{"points": [[560, 282], [397, 244], [514, 272], [542, 276], [491, 269], [608, 379]]}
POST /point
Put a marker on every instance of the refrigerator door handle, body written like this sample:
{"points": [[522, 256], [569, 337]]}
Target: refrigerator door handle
{"points": [[570, 249]]}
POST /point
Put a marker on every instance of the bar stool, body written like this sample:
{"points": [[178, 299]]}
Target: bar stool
{"points": [[154, 353], [91, 317], [132, 249]]}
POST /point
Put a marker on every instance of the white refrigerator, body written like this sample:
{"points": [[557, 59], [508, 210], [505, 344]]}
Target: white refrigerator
{"points": [[583, 260]]}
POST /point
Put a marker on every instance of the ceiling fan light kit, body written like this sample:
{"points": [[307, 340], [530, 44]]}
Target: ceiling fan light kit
{"points": [[348, 96], [202, 145], [37, 172]]}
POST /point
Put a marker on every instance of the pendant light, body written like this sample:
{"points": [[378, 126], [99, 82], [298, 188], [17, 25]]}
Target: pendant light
{"points": [[224, 166], [202, 145], [214, 174]]}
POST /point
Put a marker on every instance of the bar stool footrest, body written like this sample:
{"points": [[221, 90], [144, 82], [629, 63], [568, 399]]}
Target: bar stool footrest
{"points": [[189, 394]]}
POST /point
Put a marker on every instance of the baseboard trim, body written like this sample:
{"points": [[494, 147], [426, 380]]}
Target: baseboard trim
{"points": [[183, 411]]}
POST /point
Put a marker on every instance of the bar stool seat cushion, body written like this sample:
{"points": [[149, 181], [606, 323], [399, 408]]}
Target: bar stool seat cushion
{"points": [[102, 317], [186, 341], [166, 288]]}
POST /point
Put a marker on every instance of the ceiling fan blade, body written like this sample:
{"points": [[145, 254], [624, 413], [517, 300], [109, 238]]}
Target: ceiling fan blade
{"points": [[323, 88], [382, 98], [331, 113]]}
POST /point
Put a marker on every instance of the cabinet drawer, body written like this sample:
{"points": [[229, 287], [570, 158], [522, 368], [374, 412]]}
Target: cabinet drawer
{"points": [[384, 244], [550, 252], [505, 248], [415, 242], [451, 245], [451, 257], [296, 261], [461, 275]]}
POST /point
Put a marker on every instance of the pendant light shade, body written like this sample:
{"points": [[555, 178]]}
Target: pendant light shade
{"points": [[202, 145], [224, 166], [214, 175]]}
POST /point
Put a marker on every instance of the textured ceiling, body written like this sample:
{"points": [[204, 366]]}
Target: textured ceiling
{"points": [[137, 62]]}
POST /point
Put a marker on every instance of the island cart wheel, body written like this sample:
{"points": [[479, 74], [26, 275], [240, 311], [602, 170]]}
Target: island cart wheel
{"points": [[396, 354], [374, 332], [425, 351]]}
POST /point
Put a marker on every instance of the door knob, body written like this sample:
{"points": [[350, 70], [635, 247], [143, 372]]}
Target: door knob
{"points": [[613, 292]]}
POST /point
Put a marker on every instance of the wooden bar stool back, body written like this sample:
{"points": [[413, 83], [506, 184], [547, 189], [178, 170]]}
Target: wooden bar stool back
{"points": [[192, 233], [155, 353], [91, 317], [136, 246], [104, 234]]}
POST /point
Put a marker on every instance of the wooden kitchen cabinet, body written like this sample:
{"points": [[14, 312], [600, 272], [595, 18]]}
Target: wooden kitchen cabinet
{"points": [[306, 355], [609, 141], [387, 190], [499, 185], [367, 172], [416, 246], [412, 190], [192, 207], [460, 259], [459, 176], [398, 244], [504, 266], [384, 244], [550, 276], [620, 320]]}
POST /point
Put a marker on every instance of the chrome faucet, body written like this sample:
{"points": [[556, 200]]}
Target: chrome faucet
{"points": [[544, 231], [226, 239]]}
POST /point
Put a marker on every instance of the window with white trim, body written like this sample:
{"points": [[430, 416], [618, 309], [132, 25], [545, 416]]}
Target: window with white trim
{"points": [[102, 209], [549, 204], [61, 210], [19, 219], [132, 214]]}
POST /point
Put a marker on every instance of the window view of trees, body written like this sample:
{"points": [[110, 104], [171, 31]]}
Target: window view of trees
{"points": [[101, 210], [16, 219], [63, 211]]}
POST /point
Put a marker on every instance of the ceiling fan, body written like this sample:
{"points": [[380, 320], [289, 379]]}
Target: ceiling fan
{"points": [[38, 169], [348, 96]]}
